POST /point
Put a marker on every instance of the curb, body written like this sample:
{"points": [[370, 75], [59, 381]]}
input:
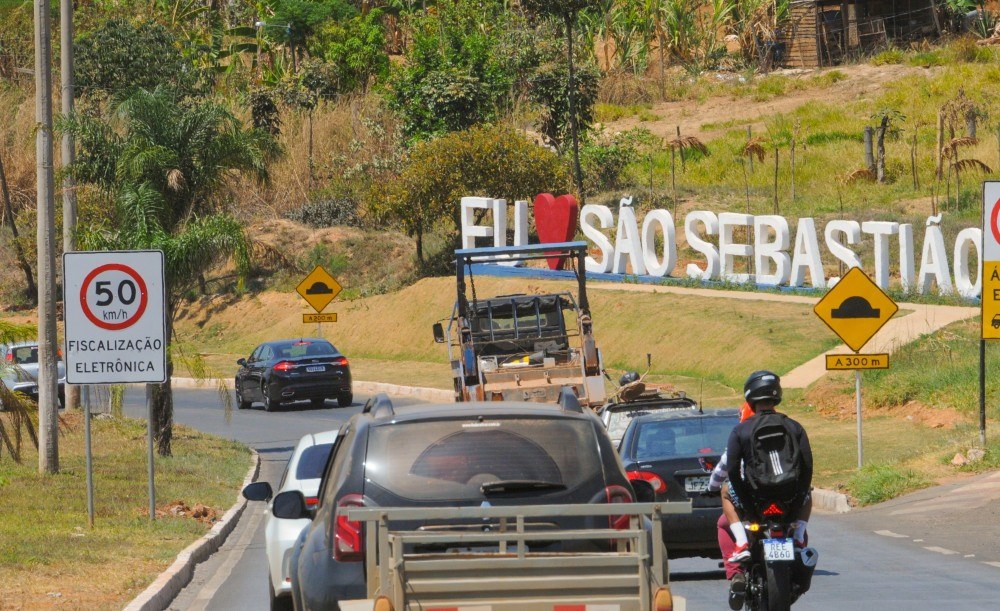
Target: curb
{"points": [[434, 395], [169, 583], [830, 501]]}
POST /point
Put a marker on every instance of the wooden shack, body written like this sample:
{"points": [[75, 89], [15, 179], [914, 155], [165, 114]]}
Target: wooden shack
{"points": [[822, 32]]}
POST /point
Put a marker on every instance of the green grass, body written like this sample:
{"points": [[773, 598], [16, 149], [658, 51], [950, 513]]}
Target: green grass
{"points": [[882, 481], [940, 370], [605, 112], [45, 544]]}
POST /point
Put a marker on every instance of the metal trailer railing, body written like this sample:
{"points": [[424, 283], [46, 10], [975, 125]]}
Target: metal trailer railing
{"points": [[633, 577]]}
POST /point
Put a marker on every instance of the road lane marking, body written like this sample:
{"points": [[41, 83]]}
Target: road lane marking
{"points": [[970, 555], [889, 533], [941, 550], [918, 540], [996, 564], [210, 589]]}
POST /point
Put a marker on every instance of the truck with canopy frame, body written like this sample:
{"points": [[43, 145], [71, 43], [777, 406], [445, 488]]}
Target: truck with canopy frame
{"points": [[522, 347]]}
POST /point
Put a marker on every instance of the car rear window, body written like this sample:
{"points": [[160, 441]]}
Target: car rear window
{"points": [[24, 355], [312, 461], [450, 460], [305, 348], [684, 437]]}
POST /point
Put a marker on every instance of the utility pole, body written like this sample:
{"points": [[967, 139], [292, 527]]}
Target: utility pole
{"points": [[48, 396], [68, 150]]}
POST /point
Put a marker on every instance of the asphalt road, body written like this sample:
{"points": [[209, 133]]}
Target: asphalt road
{"points": [[865, 563]]}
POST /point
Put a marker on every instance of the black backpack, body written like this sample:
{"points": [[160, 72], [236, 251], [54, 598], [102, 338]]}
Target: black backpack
{"points": [[774, 463]]}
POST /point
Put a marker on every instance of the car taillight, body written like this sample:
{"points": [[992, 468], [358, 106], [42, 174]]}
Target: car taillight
{"points": [[347, 545], [10, 357], [774, 510], [342, 361], [618, 494], [654, 480], [312, 501], [284, 366]]}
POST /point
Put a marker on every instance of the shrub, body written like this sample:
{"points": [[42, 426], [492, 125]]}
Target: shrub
{"points": [[327, 212], [357, 48], [605, 160], [489, 161]]}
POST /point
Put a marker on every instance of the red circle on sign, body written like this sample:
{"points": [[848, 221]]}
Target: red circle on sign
{"points": [[993, 221], [143, 297]]}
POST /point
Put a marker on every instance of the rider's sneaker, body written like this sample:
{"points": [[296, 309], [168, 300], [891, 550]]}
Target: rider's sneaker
{"points": [[737, 591], [740, 554]]}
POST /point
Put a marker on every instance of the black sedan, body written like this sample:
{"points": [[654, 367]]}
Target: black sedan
{"points": [[669, 456], [294, 370]]}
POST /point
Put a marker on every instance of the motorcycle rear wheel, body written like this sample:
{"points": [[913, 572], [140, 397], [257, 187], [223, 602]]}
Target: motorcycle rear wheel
{"points": [[778, 594]]}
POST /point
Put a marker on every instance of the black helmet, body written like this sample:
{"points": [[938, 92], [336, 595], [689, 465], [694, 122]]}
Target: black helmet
{"points": [[762, 386], [628, 377]]}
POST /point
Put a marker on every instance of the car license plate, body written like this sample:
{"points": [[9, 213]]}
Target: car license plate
{"points": [[779, 550], [315, 368], [696, 484]]}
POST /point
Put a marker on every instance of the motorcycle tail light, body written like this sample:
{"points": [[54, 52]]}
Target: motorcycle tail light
{"points": [[347, 545], [774, 510]]}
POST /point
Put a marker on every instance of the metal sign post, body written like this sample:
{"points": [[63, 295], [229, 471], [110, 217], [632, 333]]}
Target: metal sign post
{"points": [[855, 309], [90, 456], [115, 319]]}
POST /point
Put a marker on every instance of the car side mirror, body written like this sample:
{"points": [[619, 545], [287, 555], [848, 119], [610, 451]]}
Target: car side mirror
{"points": [[438, 333], [241, 362], [258, 491], [290, 505]]}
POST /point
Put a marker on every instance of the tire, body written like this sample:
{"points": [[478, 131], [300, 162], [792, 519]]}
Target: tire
{"points": [[346, 399], [240, 403], [278, 603], [319, 403], [779, 586], [269, 404]]}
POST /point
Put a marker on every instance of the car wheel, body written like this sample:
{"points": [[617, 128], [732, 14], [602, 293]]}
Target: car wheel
{"points": [[319, 403], [278, 603], [345, 400], [240, 403], [269, 404]]}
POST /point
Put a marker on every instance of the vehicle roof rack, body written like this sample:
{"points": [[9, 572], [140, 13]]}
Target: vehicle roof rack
{"points": [[379, 406], [569, 401]]}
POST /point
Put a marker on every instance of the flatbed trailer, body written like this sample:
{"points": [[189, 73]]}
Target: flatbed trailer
{"points": [[497, 571]]}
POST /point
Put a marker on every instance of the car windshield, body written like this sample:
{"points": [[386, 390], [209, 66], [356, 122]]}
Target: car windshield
{"points": [[453, 459], [312, 461], [684, 437], [293, 350]]}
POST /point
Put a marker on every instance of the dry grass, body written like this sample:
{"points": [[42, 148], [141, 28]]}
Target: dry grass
{"points": [[718, 340]]}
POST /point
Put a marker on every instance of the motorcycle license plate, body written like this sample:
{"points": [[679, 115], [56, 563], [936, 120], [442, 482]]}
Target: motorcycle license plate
{"points": [[696, 484], [779, 550], [315, 369]]}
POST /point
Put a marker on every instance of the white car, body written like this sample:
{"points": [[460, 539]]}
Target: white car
{"points": [[303, 473]]}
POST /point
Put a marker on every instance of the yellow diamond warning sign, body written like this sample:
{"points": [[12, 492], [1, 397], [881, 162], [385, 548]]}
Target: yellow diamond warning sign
{"points": [[319, 288], [855, 309]]}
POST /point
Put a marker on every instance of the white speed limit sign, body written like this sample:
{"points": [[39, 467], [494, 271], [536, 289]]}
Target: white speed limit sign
{"points": [[114, 313]]}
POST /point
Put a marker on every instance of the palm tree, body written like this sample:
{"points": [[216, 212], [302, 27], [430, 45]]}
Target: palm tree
{"points": [[163, 165]]}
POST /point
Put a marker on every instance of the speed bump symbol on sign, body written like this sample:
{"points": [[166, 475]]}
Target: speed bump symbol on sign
{"points": [[855, 309], [318, 288]]}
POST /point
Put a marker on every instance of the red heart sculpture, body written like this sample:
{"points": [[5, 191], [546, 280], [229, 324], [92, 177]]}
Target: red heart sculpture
{"points": [[555, 219]]}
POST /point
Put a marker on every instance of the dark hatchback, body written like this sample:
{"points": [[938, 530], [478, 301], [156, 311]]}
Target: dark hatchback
{"points": [[294, 370], [496, 453], [669, 456]]}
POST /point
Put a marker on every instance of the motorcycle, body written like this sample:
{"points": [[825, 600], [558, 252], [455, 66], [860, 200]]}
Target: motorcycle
{"points": [[777, 572]]}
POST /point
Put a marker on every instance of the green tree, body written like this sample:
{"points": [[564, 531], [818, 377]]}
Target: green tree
{"points": [[568, 11], [119, 56], [356, 47], [163, 165], [489, 161]]}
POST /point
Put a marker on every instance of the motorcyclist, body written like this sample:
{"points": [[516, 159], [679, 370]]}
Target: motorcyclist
{"points": [[762, 392]]}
